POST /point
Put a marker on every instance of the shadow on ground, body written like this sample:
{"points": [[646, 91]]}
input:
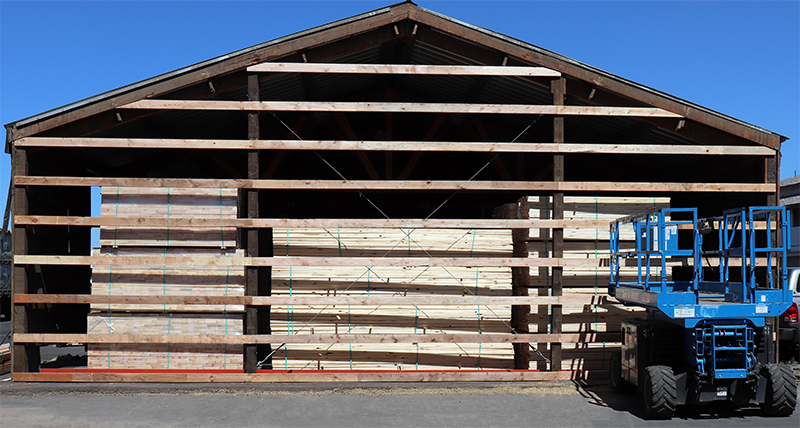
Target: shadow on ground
{"points": [[602, 395]]}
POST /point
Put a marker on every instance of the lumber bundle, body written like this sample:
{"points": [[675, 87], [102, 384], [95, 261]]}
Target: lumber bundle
{"points": [[167, 280], [581, 242], [584, 243], [5, 358], [376, 281]]}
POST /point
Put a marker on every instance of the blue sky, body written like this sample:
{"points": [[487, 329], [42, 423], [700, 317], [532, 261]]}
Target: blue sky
{"points": [[741, 58]]}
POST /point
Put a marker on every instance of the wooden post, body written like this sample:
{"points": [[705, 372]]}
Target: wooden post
{"points": [[24, 357], [520, 280], [251, 236], [559, 89]]}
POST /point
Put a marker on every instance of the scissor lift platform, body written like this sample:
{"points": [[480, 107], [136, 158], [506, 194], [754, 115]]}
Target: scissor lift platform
{"points": [[719, 310]]}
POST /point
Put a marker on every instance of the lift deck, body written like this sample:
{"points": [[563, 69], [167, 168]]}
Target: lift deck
{"points": [[706, 336]]}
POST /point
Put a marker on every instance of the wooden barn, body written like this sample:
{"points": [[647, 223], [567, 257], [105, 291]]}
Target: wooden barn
{"points": [[396, 196]]}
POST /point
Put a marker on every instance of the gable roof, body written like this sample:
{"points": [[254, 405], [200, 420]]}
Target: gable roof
{"points": [[388, 16]]}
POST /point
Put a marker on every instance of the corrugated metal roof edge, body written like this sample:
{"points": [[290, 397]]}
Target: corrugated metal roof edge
{"points": [[604, 73], [134, 86]]}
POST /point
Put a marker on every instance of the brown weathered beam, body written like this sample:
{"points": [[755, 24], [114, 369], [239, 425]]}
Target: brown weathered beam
{"points": [[450, 70], [24, 357], [429, 146], [306, 223], [251, 243], [412, 300], [300, 261], [532, 186], [314, 376], [520, 282], [394, 185], [236, 339], [559, 89]]}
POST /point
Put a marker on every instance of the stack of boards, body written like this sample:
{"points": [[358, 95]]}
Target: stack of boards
{"points": [[5, 358], [167, 280], [344, 281]]}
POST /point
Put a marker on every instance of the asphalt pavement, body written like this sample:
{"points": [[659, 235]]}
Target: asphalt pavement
{"points": [[540, 404]]}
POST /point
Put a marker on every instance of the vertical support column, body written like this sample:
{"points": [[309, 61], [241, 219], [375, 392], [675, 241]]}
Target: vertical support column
{"points": [[251, 273], [520, 282], [24, 357], [559, 89]]}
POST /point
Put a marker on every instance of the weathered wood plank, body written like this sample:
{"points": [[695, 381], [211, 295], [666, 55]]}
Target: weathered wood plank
{"points": [[306, 300], [307, 223], [338, 261], [313, 376], [297, 261], [415, 146], [239, 339], [449, 70], [404, 185], [382, 107]]}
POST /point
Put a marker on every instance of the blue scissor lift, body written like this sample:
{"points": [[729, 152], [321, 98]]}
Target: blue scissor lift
{"points": [[706, 336]]}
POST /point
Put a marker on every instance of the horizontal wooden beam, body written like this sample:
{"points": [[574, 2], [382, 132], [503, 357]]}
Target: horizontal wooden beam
{"points": [[314, 376], [382, 107], [308, 223], [240, 339], [109, 260], [401, 185], [449, 70], [414, 300], [302, 261], [410, 146]]}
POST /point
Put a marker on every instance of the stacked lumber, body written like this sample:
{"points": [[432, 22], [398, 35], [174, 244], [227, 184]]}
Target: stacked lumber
{"points": [[580, 242], [170, 281], [5, 358], [585, 243], [392, 281]]}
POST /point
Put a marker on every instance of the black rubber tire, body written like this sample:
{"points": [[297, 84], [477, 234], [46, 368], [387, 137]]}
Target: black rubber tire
{"points": [[618, 384], [660, 391], [781, 398]]}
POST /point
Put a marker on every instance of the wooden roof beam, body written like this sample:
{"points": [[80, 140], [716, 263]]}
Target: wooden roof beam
{"points": [[448, 70], [416, 146], [341, 107]]}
